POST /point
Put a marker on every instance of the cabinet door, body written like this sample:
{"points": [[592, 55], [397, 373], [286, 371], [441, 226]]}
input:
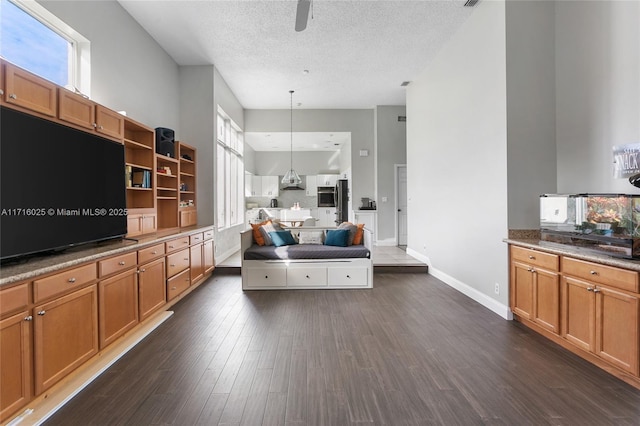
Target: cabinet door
{"points": [[109, 122], [29, 91], [76, 109], [177, 284], [149, 223], [207, 256], [152, 289], [546, 299], [65, 335], [617, 328], [118, 306], [15, 363], [196, 266], [256, 186], [521, 290], [579, 318], [270, 186], [312, 186], [134, 225]]}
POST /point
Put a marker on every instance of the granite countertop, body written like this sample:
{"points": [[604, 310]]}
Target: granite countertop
{"points": [[31, 267], [536, 244]]}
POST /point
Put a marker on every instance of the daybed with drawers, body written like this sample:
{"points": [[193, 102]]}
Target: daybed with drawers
{"points": [[306, 266]]}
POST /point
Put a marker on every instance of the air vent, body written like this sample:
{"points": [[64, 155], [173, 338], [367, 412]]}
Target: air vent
{"points": [[471, 3], [405, 83], [402, 118]]}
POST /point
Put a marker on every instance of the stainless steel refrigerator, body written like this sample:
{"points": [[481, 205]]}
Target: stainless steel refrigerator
{"points": [[342, 201]]}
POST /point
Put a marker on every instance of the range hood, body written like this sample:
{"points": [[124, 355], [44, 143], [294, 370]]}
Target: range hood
{"points": [[292, 187]]}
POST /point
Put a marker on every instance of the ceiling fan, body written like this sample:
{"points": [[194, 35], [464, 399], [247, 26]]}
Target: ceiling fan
{"points": [[302, 14]]}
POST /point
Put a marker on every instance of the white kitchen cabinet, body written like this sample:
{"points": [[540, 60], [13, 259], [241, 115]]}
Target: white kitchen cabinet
{"points": [[326, 216], [312, 186], [270, 186], [326, 180], [368, 218]]}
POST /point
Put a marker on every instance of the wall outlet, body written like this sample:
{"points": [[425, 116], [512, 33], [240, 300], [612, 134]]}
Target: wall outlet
{"points": [[496, 289]]}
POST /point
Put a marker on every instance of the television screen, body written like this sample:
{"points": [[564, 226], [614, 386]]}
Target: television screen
{"points": [[59, 186]]}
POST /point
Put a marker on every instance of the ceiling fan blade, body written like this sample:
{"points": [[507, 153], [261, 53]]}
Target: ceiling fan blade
{"points": [[302, 14]]}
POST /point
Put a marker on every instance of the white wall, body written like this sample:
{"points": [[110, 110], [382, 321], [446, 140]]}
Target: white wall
{"points": [[391, 149], [531, 109], [270, 163], [129, 70], [457, 159], [597, 91]]}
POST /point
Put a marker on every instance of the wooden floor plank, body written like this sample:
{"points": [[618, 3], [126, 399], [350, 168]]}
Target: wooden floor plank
{"points": [[410, 351]]}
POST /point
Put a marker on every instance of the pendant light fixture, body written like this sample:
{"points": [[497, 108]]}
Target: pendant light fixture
{"points": [[291, 178]]}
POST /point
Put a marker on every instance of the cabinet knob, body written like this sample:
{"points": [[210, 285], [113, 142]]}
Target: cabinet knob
{"points": [[266, 276], [173, 266], [41, 313], [593, 272], [307, 276], [28, 318], [589, 288], [72, 280], [186, 258], [173, 288], [121, 263], [186, 279], [348, 276], [154, 252], [532, 257], [13, 96], [143, 270], [100, 127], [94, 125], [1, 92], [170, 246], [596, 290]]}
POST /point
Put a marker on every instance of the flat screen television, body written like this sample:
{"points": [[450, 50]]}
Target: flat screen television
{"points": [[59, 187]]}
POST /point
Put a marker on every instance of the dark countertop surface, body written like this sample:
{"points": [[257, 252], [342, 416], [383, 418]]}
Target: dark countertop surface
{"points": [[31, 267], [536, 244]]}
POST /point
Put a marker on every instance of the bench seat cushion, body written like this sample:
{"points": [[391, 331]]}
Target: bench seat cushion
{"points": [[305, 251]]}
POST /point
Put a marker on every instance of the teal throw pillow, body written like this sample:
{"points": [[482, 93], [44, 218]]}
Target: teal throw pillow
{"points": [[282, 238], [337, 237]]}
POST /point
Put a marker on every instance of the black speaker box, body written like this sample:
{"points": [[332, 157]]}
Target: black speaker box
{"points": [[165, 142]]}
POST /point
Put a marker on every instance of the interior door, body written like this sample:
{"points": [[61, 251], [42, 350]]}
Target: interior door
{"points": [[401, 190]]}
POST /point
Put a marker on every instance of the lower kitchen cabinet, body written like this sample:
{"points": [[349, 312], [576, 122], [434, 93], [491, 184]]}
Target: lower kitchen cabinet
{"points": [[177, 284], [196, 266], [118, 297], [15, 363], [207, 256], [152, 289], [65, 335]]}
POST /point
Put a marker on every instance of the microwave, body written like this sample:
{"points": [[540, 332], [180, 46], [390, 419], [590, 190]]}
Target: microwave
{"points": [[326, 196]]}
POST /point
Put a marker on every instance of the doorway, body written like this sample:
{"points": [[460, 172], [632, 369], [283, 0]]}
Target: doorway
{"points": [[401, 204]]}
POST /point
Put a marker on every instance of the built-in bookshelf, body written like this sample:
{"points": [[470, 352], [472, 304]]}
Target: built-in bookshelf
{"points": [[187, 206], [167, 191], [140, 164]]}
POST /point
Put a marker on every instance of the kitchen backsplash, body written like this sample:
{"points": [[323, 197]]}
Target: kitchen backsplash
{"points": [[286, 199]]}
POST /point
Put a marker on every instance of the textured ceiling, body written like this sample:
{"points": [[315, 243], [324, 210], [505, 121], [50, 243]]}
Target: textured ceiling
{"points": [[302, 141], [357, 52]]}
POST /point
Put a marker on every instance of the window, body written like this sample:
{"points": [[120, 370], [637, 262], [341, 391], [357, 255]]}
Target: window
{"points": [[34, 39], [230, 172]]}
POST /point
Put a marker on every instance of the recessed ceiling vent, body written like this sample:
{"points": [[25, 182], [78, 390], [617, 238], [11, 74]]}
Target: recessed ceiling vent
{"points": [[471, 3], [405, 83]]}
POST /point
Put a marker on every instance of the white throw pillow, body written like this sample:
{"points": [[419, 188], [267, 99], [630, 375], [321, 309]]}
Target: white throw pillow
{"points": [[310, 237]]}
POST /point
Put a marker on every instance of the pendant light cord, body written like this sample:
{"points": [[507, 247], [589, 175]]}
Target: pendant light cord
{"points": [[291, 109]]}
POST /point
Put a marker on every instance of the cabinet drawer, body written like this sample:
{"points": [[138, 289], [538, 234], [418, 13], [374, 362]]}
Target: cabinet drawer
{"points": [[150, 253], [267, 277], [117, 264], [178, 284], [14, 299], [177, 262], [63, 282], [347, 276], [536, 258], [177, 244], [196, 238], [208, 234], [623, 279], [306, 276]]}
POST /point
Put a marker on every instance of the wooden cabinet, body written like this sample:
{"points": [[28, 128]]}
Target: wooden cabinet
{"points": [[118, 305], [86, 114], [177, 262], [65, 335], [590, 308], [152, 291], [601, 319], [26, 90], [63, 282], [117, 264], [138, 224], [207, 256], [16, 365], [177, 284], [167, 195], [196, 264], [535, 287], [187, 205], [177, 244]]}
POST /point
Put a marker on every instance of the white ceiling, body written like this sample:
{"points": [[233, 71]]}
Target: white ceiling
{"points": [[357, 52], [302, 141]]}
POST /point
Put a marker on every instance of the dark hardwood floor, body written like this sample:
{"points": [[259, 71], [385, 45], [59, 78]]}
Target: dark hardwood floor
{"points": [[411, 351]]}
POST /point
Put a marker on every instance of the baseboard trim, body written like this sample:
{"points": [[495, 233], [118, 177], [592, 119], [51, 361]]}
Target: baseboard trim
{"points": [[486, 301], [45, 405], [389, 242], [224, 256]]}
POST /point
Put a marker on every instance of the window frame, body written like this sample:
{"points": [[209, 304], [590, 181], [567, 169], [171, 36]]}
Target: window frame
{"points": [[79, 55], [229, 142]]}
